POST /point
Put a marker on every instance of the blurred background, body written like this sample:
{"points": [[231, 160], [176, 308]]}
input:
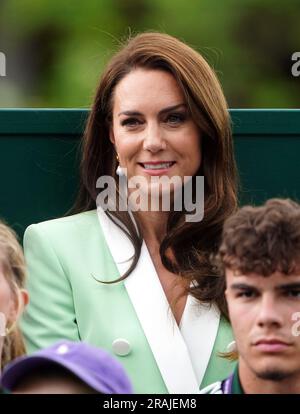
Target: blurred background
{"points": [[56, 49]]}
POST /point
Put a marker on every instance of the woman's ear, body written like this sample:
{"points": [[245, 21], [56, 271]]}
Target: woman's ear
{"points": [[19, 304], [112, 136], [24, 298]]}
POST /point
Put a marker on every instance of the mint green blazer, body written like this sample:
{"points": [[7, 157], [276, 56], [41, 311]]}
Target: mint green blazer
{"points": [[67, 257]]}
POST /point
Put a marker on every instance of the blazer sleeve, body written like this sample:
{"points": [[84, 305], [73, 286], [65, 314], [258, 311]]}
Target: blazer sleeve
{"points": [[50, 315]]}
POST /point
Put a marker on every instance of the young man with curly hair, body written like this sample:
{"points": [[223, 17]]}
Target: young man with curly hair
{"points": [[260, 258]]}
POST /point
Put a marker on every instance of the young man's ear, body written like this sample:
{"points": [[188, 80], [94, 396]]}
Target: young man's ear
{"points": [[227, 273]]}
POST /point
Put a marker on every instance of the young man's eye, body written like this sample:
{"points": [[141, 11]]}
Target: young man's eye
{"points": [[294, 293], [131, 122], [246, 294]]}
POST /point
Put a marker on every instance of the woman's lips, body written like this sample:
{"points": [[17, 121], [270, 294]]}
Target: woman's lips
{"points": [[157, 167]]}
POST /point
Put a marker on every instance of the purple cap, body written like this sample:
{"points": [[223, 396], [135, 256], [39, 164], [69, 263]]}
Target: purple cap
{"points": [[92, 365]]}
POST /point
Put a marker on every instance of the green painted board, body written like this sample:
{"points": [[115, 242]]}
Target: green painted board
{"points": [[39, 158]]}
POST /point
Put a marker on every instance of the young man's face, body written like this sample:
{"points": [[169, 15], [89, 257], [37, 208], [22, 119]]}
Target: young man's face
{"points": [[261, 311]]}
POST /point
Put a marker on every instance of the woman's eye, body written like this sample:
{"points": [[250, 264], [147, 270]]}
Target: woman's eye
{"points": [[130, 122], [175, 119]]}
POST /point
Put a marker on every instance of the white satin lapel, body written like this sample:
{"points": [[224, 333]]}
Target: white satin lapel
{"points": [[152, 308], [199, 327]]}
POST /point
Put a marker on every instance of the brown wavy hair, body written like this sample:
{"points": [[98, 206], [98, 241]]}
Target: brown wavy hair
{"points": [[262, 239], [13, 267], [186, 247]]}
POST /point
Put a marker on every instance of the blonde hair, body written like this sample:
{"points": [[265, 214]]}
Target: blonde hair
{"points": [[12, 264]]}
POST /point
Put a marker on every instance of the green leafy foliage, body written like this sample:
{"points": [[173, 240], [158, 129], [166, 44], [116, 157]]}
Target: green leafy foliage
{"points": [[56, 49]]}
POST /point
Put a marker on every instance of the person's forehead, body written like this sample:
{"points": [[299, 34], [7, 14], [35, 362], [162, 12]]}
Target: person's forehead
{"points": [[147, 88], [256, 279]]}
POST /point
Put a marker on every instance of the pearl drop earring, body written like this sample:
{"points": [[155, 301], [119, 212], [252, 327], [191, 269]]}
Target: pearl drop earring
{"points": [[119, 170]]}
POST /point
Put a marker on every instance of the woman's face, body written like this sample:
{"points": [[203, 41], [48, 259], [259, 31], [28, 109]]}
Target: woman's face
{"points": [[152, 130], [7, 302]]}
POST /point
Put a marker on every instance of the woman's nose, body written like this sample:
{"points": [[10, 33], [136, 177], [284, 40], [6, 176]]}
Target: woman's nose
{"points": [[154, 139]]}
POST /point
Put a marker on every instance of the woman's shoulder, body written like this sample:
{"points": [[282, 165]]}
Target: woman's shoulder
{"points": [[65, 226]]}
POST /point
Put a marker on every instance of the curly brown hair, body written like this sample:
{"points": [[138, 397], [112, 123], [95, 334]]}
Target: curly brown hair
{"points": [[263, 239]]}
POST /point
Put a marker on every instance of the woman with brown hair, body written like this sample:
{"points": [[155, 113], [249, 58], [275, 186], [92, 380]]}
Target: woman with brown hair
{"points": [[13, 296], [138, 281]]}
